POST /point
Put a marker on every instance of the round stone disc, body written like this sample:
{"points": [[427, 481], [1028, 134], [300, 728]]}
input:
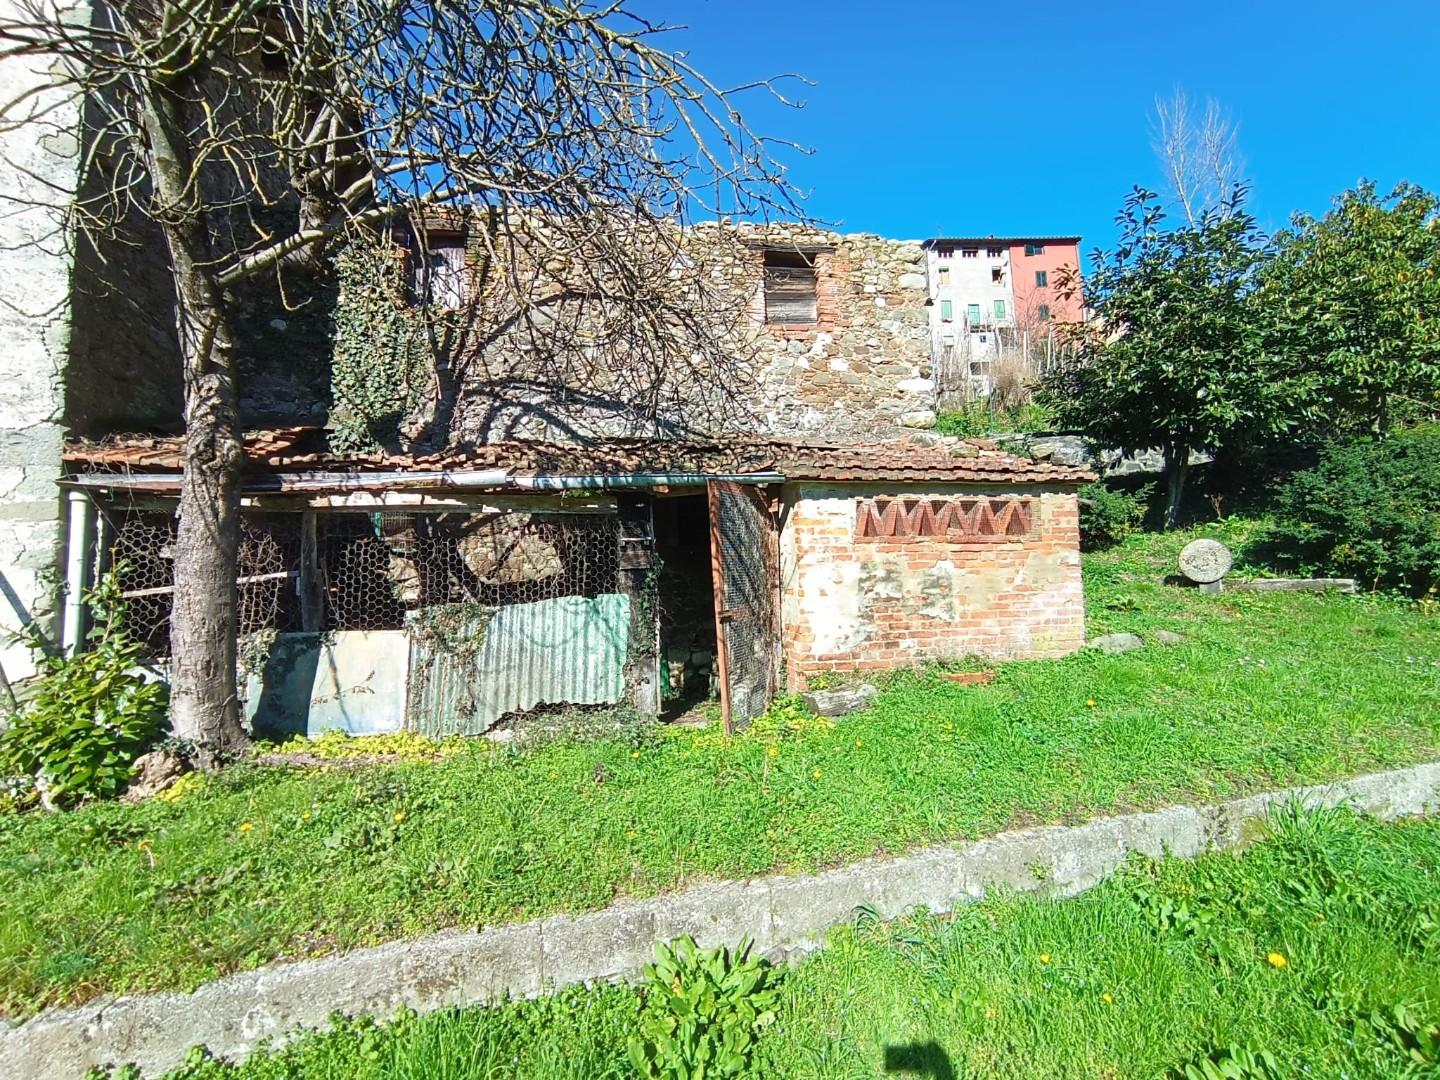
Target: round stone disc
{"points": [[1204, 561]]}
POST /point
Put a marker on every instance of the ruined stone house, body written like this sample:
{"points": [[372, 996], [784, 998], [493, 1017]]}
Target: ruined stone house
{"points": [[551, 544]]}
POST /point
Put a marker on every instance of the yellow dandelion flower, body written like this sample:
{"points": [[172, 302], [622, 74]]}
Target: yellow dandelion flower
{"points": [[630, 833], [1108, 999], [1044, 957], [1277, 960], [399, 816], [634, 754], [816, 774], [246, 826], [773, 751], [859, 743], [1090, 702], [305, 816], [554, 776]]}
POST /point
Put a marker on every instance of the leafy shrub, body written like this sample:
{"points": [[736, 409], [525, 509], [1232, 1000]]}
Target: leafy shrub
{"points": [[90, 715], [703, 1009], [1235, 1063], [1402, 1030], [1370, 509], [1108, 516], [979, 418]]}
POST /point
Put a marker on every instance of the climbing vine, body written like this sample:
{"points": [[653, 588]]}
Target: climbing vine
{"points": [[381, 369]]}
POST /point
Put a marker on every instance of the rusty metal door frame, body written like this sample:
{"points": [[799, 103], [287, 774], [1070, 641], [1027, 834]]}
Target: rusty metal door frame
{"points": [[726, 616]]}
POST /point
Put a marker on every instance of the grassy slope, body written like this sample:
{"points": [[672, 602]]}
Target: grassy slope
{"points": [[1265, 691], [1161, 966]]}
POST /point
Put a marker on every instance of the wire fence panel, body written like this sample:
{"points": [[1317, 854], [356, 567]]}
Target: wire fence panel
{"points": [[143, 554], [374, 569]]}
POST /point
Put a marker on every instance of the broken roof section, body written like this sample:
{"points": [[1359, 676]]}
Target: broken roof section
{"points": [[299, 453]]}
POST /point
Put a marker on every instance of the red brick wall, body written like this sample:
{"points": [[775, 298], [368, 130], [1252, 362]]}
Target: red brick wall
{"points": [[852, 604]]}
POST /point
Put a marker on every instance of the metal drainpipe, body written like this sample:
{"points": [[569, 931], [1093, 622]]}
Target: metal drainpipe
{"points": [[78, 558]]}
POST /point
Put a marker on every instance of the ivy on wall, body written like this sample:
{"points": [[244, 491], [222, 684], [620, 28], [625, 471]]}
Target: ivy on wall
{"points": [[381, 370]]}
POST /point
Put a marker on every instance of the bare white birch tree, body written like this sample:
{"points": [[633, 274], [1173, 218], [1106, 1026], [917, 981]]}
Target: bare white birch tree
{"points": [[254, 134], [1199, 153]]}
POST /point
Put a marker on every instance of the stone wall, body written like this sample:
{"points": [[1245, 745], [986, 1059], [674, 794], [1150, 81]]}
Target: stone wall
{"points": [[863, 370], [852, 604], [38, 163]]}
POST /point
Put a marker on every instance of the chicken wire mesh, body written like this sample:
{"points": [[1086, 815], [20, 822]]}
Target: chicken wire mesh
{"points": [[379, 566], [143, 554], [372, 568]]}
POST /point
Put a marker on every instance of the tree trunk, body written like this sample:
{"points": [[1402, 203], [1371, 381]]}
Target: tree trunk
{"points": [[1177, 468], [204, 705]]}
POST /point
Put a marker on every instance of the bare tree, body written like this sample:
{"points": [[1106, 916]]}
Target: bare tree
{"points": [[1199, 153], [255, 134]]}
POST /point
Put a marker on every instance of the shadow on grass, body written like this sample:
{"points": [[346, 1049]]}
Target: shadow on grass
{"points": [[927, 1059]]}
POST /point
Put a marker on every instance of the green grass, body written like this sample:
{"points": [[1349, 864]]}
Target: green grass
{"points": [[266, 864], [1164, 965]]}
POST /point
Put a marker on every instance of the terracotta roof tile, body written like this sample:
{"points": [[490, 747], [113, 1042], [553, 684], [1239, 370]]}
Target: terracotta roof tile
{"points": [[299, 450]]}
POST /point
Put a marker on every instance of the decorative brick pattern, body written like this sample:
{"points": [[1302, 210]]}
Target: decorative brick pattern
{"points": [[854, 602], [948, 519]]}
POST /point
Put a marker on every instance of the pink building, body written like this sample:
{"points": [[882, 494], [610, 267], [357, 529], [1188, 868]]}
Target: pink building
{"points": [[1035, 275]]}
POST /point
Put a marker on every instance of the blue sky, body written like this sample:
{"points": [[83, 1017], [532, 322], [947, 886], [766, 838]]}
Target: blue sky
{"points": [[931, 118]]}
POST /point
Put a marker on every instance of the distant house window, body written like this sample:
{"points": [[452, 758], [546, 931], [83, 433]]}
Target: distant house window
{"points": [[970, 253], [1034, 249], [438, 275], [973, 314], [997, 275], [999, 310], [944, 253], [947, 311], [994, 253], [944, 273], [1043, 312], [791, 290], [1042, 279]]}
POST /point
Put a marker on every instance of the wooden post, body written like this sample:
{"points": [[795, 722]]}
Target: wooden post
{"points": [[312, 591], [637, 567]]}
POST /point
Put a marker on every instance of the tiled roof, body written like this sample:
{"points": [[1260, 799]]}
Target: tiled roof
{"points": [[299, 450]]}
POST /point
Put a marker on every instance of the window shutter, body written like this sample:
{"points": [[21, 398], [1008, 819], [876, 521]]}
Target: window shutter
{"points": [[790, 295]]}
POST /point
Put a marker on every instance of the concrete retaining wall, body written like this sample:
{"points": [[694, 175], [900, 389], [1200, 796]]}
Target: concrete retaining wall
{"points": [[784, 915]]}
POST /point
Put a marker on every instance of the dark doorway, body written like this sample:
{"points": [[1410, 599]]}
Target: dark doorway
{"points": [[687, 603]]}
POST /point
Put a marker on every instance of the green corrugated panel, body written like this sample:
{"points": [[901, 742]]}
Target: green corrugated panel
{"points": [[491, 661]]}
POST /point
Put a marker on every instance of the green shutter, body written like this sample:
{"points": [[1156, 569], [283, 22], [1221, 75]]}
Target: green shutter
{"points": [[974, 314], [999, 309], [947, 310]]}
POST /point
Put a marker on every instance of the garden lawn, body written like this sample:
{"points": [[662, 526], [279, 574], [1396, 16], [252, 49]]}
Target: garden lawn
{"points": [[262, 864], [1314, 951]]}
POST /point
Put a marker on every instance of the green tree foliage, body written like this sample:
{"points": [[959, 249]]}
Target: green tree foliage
{"points": [[90, 716], [1354, 299], [1175, 355], [1370, 509]]}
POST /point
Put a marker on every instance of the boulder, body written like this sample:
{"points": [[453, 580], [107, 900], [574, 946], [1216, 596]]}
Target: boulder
{"points": [[847, 699], [919, 418], [1116, 643], [1167, 637]]}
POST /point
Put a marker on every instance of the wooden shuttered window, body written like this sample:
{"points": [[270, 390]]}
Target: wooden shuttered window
{"points": [[791, 288]]}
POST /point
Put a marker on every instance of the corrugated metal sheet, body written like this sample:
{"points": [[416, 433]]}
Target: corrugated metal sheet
{"points": [[570, 649]]}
